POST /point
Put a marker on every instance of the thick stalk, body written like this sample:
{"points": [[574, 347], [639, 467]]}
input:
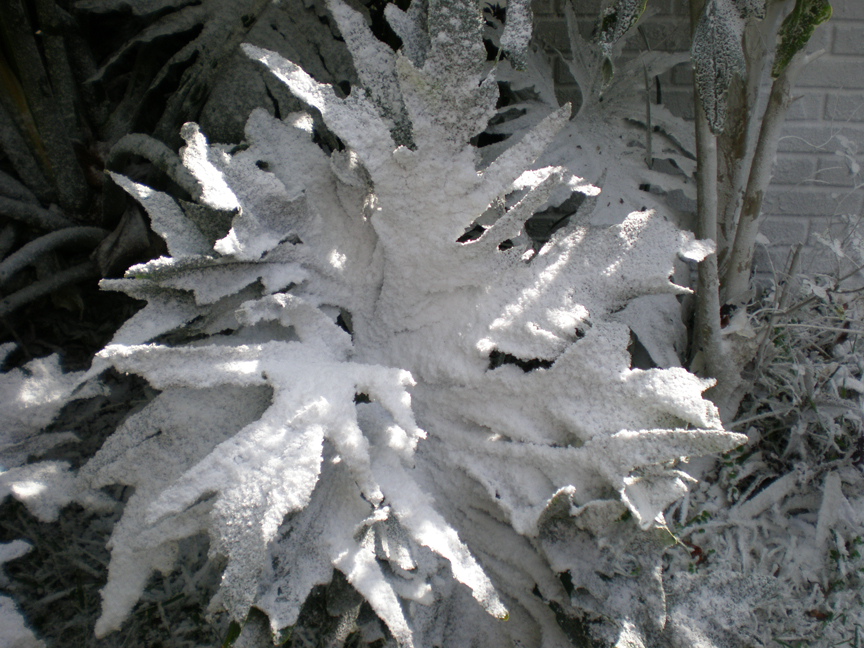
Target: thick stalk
{"points": [[162, 157], [65, 90], [7, 239], [22, 146], [707, 332], [735, 145], [708, 348], [736, 282], [11, 188]]}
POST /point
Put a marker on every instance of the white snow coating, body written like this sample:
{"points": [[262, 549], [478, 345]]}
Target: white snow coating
{"points": [[449, 423]]}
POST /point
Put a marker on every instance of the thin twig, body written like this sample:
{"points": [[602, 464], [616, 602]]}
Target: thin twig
{"points": [[784, 299], [810, 300], [736, 281], [819, 327], [759, 417]]}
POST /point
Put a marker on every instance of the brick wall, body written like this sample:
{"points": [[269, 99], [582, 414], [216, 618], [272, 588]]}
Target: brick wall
{"points": [[813, 188]]}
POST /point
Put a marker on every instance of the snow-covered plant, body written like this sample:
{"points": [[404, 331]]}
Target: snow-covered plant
{"points": [[736, 145], [367, 365]]}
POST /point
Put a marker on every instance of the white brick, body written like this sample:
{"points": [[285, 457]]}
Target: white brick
{"points": [[847, 9], [663, 7], [553, 33], [821, 38], [773, 260], [818, 259], [808, 106], [591, 7], [845, 107], [848, 39], [806, 201], [832, 228], [669, 34], [543, 7], [793, 169], [834, 171], [682, 75], [832, 72], [786, 231], [806, 138], [680, 102]]}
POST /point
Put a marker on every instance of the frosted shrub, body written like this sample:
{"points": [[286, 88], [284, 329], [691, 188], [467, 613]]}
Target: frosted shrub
{"points": [[367, 365]]}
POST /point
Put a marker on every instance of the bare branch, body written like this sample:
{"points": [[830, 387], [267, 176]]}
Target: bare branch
{"points": [[707, 338]]}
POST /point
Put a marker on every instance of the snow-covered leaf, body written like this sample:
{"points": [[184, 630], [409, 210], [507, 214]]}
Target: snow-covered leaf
{"points": [[615, 21], [718, 55]]}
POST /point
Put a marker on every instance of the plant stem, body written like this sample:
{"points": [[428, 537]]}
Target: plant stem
{"points": [[736, 283], [707, 338], [11, 188], [737, 141], [44, 104]]}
